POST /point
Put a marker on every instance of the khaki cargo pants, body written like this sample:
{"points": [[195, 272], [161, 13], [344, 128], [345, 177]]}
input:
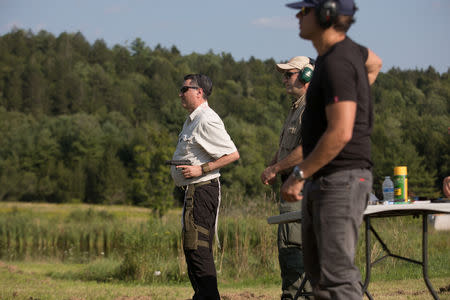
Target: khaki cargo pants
{"points": [[290, 253]]}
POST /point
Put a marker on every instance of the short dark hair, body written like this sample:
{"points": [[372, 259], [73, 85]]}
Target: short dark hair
{"points": [[202, 81], [343, 23]]}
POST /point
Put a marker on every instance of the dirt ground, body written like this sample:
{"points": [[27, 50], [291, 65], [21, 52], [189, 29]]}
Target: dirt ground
{"points": [[225, 296], [413, 289]]}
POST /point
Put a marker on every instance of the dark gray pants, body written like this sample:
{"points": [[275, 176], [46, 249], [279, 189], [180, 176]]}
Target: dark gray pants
{"points": [[290, 254], [332, 211]]}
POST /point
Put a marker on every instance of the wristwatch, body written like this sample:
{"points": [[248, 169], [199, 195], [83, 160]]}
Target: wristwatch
{"points": [[298, 174]]}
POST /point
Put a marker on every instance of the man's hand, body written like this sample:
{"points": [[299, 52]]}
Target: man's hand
{"points": [[190, 171], [446, 186], [268, 176], [291, 189]]}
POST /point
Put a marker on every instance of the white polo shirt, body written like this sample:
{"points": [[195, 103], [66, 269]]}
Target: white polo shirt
{"points": [[203, 139]]}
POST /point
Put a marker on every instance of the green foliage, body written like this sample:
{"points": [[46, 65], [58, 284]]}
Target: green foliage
{"points": [[410, 131], [85, 123]]}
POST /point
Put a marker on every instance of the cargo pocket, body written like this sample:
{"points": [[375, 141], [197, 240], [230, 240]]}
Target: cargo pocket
{"points": [[190, 233], [191, 230], [289, 235]]}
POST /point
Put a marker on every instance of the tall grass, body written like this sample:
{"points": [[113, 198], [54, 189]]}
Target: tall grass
{"points": [[124, 244], [403, 236], [78, 237]]}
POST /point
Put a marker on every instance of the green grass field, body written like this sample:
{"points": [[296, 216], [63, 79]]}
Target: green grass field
{"points": [[50, 251], [37, 280]]}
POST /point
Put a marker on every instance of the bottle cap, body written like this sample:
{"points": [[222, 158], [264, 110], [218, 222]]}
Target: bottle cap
{"points": [[400, 170]]}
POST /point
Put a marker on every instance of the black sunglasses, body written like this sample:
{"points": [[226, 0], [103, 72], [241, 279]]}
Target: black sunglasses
{"points": [[288, 75], [185, 88], [304, 11]]}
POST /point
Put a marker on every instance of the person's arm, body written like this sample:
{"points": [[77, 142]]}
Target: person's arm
{"points": [[446, 186], [291, 160], [267, 176], [223, 161], [274, 159], [195, 171], [341, 119], [373, 66]]}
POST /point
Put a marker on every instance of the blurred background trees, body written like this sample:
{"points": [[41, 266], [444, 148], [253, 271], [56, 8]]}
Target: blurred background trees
{"points": [[86, 123]]}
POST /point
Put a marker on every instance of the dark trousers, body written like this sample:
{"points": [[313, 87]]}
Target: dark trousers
{"points": [[332, 211], [290, 253], [200, 262]]}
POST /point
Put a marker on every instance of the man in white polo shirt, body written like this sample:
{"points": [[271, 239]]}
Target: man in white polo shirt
{"points": [[207, 145]]}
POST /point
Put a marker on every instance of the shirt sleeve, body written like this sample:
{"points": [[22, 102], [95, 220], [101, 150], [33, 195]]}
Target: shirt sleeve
{"points": [[340, 81], [212, 136], [342, 72], [364, 52]]}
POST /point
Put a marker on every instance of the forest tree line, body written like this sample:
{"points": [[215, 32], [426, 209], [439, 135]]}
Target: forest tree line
{"points": [[82, 122]]}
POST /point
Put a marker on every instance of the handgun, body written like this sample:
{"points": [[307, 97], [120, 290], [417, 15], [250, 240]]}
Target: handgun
{"points": [[178, 162]]}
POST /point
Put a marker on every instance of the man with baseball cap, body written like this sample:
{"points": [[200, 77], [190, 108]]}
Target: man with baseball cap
{"points": [[336, 128], [297, 73]]}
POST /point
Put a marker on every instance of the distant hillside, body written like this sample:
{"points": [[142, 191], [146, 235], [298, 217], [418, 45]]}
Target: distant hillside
{"points": [[86, 123]]}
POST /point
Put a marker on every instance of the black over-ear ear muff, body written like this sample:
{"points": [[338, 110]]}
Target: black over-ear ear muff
{"points": [[327, 13], [306, 75]]}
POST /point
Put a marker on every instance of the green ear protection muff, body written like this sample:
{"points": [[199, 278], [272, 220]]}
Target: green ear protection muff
{"points": [[306, 75]]}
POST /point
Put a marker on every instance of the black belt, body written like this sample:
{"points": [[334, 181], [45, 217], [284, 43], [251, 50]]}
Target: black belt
{"points": [[214, 180]]}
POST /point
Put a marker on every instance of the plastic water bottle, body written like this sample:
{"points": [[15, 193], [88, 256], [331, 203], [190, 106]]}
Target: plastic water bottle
{"points": [[388, 190]]}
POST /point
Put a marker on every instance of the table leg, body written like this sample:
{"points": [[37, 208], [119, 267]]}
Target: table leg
{"points": [[425, 255]]}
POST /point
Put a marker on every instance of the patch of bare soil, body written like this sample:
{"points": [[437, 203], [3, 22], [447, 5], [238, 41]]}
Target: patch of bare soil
{"points": [[227, 296], [444, 289], [244, 295], [134, 298], [405, 293]]}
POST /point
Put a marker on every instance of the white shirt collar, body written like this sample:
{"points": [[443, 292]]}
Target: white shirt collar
{"points": [[198, 110]]}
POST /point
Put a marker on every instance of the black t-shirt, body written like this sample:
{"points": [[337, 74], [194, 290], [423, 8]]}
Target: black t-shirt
{"points": [[340, 74]]}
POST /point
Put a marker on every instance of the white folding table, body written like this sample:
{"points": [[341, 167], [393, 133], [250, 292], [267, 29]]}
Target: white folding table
{"points": [[383, 211]]}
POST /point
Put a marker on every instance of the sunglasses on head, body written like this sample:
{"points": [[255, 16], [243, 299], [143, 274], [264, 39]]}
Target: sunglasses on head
{"points": [[185, 88], [288, 75], [304, 11]]}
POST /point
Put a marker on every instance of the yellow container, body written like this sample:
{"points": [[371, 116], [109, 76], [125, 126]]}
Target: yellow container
{"points": [[400, 184]]}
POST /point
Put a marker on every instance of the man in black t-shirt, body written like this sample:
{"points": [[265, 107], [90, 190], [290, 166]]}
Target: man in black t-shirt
{"points": [[336, 128]]}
